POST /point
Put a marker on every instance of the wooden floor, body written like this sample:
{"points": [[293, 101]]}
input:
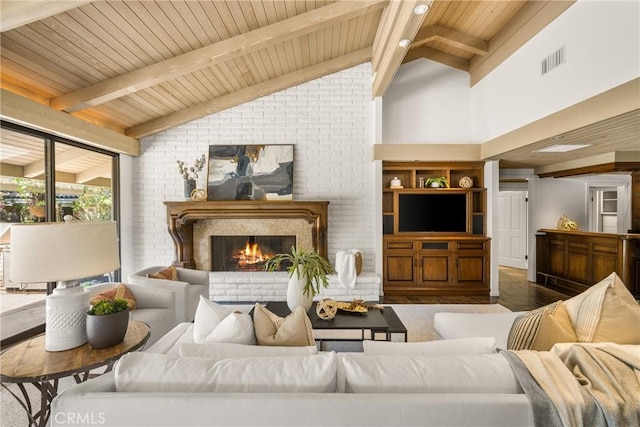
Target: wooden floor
{"points": [[516, 294]]}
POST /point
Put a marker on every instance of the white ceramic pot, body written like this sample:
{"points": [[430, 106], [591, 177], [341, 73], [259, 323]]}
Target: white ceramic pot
{"points": [[296, 295]]}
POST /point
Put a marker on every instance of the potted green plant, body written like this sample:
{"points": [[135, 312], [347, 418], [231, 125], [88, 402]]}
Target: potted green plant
{"points": [[32, 191], [311, 271], [437, 182], [107, 322]]}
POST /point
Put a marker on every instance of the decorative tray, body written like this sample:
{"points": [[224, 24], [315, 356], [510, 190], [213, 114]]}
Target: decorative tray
{"points": [[351, 307]]}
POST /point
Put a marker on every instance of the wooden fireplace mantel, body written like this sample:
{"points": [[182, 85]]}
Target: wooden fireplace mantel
{"points": [[182, 215]]}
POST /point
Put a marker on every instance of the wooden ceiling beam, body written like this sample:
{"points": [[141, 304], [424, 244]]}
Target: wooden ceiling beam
{"points": [[386, 60], [100, 171], [37, 168], [250, 93], [225, 50], [23, 111], [11, 170], [14, 14], [452, 38], [437, 56]]}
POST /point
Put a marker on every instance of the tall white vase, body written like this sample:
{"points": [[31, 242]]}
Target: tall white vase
{"points": [[296, 295]]}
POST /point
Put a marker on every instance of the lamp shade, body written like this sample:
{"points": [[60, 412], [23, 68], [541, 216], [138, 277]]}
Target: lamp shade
{"points": [[50, 252]]}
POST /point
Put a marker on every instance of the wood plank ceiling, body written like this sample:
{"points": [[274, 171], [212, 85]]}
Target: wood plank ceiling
{"points": [[139, 67]]}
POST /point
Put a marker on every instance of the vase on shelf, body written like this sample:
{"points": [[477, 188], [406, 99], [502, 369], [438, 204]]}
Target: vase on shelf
{"points": [[189, 186]]}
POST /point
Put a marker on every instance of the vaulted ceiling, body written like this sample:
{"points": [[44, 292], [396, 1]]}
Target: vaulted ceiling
{"points": [[137, 67]]}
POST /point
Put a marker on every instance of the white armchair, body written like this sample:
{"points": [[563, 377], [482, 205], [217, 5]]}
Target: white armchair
{"points": [[188, 288], [155, 307]]}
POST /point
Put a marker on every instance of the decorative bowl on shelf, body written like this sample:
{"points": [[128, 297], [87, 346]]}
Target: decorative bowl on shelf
{"points": [[466, 182], [396, 183]]}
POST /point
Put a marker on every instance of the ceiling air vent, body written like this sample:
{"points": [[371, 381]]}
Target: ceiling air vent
{"points": [[554, 60]]}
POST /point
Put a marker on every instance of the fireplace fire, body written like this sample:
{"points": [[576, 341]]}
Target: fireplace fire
{"points": [[247, 253], [251, 255]]}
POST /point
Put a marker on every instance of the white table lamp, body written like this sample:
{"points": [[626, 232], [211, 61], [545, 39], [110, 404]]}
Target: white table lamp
{"points": [[63, 253]]}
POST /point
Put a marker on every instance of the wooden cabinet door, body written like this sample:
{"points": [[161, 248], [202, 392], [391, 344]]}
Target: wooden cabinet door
{"points": [[471, 269], [399, 269], [435, 270]]}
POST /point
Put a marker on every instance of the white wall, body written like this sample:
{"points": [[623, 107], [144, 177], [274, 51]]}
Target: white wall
{"points": [[331, 123], [427, 103], [602, 41], [569, 196], [430, 103], [557, 197]]}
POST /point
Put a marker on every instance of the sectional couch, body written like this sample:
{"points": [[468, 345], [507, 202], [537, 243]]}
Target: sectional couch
{"points": [[184, 379], [463, 383]]}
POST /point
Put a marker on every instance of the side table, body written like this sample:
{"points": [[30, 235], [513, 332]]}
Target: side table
{"points": [[29, 363]]}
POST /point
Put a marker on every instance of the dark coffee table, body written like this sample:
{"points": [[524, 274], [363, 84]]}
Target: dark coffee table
{"points": [[372, 321]]}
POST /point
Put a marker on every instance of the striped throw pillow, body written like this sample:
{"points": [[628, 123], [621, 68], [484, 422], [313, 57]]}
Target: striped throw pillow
{"points": [[525, 328]]}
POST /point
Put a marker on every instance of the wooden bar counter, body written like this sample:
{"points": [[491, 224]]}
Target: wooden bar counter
{"points": [[577, 259]]}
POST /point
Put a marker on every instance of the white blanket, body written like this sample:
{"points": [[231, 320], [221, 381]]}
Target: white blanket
{"points": [[346, 268]]}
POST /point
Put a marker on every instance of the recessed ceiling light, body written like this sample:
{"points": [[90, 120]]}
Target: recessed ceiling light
{"points": [[404, 43], [421, 9], [559, 148]]}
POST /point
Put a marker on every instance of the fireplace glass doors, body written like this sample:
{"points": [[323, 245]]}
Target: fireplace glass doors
{"points": [[247, 253]]}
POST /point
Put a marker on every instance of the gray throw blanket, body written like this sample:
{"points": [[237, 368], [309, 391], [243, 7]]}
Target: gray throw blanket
{"points": [[584, 386]]}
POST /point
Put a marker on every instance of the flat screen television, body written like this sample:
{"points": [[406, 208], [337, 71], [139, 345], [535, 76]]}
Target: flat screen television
{"points": [[433, 212]]}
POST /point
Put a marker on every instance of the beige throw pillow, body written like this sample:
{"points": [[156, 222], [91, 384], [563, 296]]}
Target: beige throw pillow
{"points": [[294, 330], [606, 312], [620, 316], [555, 326], [118, 292], [169, 273]]}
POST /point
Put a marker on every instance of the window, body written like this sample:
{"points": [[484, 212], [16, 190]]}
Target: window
{"points": [[45, 178]]}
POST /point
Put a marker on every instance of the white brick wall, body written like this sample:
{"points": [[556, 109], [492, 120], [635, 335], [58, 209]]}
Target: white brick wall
{"points": [[330, 121], [261, 287]]}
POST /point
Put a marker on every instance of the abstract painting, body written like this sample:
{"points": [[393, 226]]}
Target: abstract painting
{"points": [[250, 172]]}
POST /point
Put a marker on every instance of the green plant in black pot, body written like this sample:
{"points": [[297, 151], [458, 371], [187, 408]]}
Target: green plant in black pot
{"points": [[108, 306], [107, 322]]}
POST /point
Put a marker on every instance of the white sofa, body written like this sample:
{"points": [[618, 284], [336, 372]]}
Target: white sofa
{"points": [[467, 325], [188, 288], [99, 398], [155, 307]]}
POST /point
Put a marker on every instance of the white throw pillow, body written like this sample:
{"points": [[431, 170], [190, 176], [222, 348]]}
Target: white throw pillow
{"points": [[216, 323], [229, 351], [236, 328], [452, 347], [478, 373], [152, 372]]}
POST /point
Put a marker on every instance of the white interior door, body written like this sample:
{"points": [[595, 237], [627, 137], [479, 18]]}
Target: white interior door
{"points": [[512, 229]]}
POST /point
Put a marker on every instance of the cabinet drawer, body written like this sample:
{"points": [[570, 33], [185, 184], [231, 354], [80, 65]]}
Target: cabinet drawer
{"points": [[399, 245], [470, 245], [435, 246]]}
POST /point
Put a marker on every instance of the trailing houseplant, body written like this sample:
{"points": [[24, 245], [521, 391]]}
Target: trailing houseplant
{"points": [[107, 322], [308, 274], [437, 182]]}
